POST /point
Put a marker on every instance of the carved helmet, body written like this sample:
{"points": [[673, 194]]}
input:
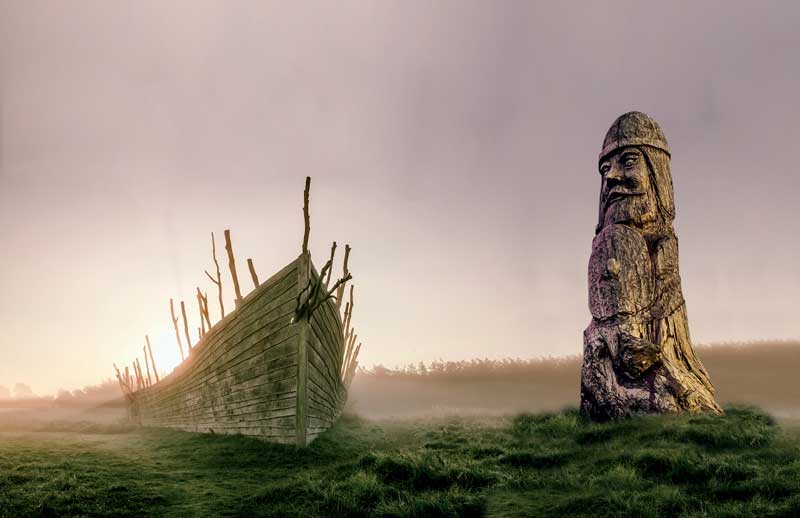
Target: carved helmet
{"points": [[634, 129]]}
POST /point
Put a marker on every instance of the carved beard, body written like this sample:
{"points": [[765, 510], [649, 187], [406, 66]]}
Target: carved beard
{"points": [[637, 211]]}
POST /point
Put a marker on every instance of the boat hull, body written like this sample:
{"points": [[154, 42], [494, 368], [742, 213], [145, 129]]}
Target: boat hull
{"points": [[257, 372]]}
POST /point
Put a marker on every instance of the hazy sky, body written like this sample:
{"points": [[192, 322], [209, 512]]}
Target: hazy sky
{"points": [[452, 144]]}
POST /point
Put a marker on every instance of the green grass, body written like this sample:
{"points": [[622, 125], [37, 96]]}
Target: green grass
{"points": [[741, 464]]}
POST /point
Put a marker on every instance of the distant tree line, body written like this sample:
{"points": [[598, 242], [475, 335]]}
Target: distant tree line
{"points": [[20, 391], [106, 390], [475, 368]]}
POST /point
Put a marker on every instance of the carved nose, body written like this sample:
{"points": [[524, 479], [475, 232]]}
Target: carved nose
{"points": [[615, 175]]}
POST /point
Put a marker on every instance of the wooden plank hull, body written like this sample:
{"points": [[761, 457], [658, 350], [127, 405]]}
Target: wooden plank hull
{"points": [[256, 372]]}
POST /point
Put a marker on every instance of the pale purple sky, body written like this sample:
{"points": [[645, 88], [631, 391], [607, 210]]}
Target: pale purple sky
{"points": [[452, 143]]}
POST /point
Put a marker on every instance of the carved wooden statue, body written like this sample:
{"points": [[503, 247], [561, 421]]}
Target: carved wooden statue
{"points": [[638, 356]]}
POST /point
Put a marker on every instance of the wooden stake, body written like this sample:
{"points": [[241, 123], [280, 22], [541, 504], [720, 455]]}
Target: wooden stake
{"points": [[128, 378], [152, 360], [252, 272], [351, 298], [344, 320], [119, 379], [352, 351], [232, 266], [175, 324], [333, 252], [203, 300], [140, 377], [351, 369], [186, 327], [202, 313], [345, 271], [349, 314], [306, 219], [349, 380], [205, 305], [345, 354], [350, 344], [218, 280], [147, 366]]}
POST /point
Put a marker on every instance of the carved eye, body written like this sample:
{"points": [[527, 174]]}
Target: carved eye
{"points": [[605, 168], [630, 160]]}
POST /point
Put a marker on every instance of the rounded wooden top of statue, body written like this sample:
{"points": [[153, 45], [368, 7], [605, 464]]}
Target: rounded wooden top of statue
{"points": [[620, 273]]}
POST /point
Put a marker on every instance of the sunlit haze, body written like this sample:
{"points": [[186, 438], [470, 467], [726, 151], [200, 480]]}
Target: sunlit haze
{"points": [[452, 144]]}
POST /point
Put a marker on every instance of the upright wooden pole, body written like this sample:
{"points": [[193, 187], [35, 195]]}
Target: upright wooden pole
{"points": [[252, 272], [147, 366], [344, 320], [202, 299], [175, 324], [349, 314], [218, 280], [351, 367], [350, 344], [232, 266], [202, 313], [119, 379], [306, 220], [345, 271], [152, 360], [330, 270], [186, 327], [139, 375]]}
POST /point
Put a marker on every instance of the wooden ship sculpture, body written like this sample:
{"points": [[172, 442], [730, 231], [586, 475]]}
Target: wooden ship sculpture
{"points": [[278, 367]]}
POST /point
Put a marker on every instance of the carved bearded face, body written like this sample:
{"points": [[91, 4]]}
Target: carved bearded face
{"points": [[627, 195]]}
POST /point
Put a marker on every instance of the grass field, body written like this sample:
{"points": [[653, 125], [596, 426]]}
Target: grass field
{"points": [[742, 464]]}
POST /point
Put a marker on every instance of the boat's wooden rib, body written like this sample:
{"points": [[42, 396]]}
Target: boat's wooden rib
{"points": [[257, 371]]}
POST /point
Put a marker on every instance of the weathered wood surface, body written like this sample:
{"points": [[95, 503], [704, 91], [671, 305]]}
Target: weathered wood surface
{"points": [[638, 355], [256, 372]]}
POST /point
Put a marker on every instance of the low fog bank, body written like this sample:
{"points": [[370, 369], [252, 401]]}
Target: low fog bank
{"points": [[758, 373], [94, 408]]}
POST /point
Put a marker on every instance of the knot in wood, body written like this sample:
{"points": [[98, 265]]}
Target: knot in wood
{"points": [[612, 267]]}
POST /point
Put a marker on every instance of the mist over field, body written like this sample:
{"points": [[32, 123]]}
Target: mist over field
{"points": [[758, 373]]}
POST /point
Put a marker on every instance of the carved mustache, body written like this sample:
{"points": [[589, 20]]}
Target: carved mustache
{"points": [[620, 193]]}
